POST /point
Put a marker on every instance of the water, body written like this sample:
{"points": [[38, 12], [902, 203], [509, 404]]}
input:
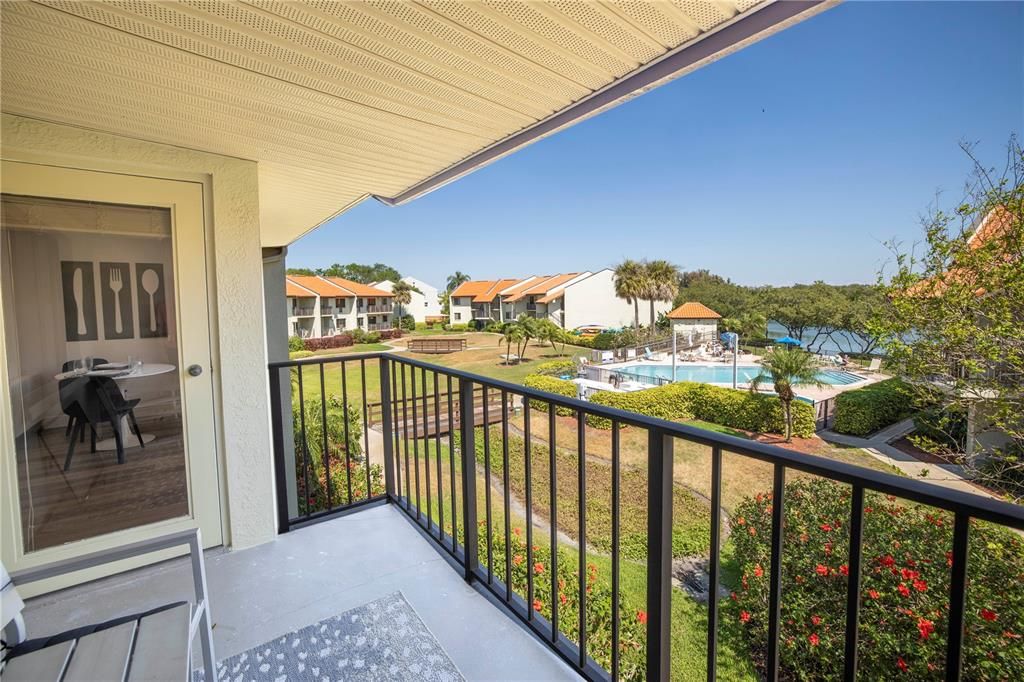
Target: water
{"points": [[838, 343], [722, 374]]}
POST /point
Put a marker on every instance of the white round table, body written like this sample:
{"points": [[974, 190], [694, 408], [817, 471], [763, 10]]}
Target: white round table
{"points": [[129, 439]]}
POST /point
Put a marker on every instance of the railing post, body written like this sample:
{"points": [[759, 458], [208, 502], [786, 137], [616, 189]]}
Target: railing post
{"points": [[659, 554], [468, 453], [386, 426], [280, 475]]}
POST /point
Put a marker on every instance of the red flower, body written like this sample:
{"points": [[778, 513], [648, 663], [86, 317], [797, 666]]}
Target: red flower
{"points": [[901, 664], [815, 620], [752, 531], [744, 616], [758, 571], [813, 639], [949, 558], [641, 616], [873, 594], [844, 569], [908, 574], [887, 560], [920, 585], [740, 520], [988, 615], [562, 598], [1011, 635], [821, 569], [538, 568], [904, 590], [537, 605], [925, 627], [734, 596], [516, 531], [825, 527]]}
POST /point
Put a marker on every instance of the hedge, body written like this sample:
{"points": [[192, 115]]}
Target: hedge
{"points": [[736, 409], [325, 342], [555, 368], [865, 410], [904, 588], [299, 354], [551, 385], [391, 333]]}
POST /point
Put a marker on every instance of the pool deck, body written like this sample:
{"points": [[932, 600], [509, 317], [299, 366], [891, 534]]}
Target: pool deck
{"points": [[814, 393]]}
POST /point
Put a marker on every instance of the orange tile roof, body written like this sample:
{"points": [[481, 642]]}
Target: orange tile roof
{"points": [[473, 287], [546, 285], [359, 289], [692, 310], [293, 290], [553, 296], [525, 283], [491, 293], [318, 286]]}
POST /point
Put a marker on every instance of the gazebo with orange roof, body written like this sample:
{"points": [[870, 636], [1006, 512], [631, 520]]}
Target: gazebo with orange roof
{"points": [[695, 322]]}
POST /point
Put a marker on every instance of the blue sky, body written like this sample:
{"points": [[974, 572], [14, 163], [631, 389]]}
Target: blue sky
{"points": [[790, 161]]}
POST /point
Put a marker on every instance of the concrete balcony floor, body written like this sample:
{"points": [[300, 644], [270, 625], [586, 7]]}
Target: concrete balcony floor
{"points": [[313, 573]]}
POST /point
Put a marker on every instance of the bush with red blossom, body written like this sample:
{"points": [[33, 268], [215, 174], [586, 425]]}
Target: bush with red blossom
{"points": [[905, 582]]}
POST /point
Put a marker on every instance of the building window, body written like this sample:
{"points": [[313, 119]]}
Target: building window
{"points": [[340, 303], [341, 322], [373, 319], [458, 316], [359, 322]]}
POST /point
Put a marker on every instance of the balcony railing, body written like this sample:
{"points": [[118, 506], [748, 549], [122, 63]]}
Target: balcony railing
{"points": [[435, 428], [386, 308], [302, 312]]}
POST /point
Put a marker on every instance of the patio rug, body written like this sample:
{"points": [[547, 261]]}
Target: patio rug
{"points": [[381, 640]]}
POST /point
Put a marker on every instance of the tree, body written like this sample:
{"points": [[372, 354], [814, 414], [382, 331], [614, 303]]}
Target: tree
{"points": [[512, 333], [662, 284], [402, 292], [546, 330], [530, 328], [630, 284], [454, 280], [785, 369], [955, 316], [300, 271]]}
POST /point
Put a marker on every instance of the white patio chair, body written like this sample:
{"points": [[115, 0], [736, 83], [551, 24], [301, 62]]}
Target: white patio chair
{"points": [[876, 364], [155, 644]]}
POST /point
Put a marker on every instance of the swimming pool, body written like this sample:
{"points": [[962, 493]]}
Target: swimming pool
{"points": [[722, 374]]}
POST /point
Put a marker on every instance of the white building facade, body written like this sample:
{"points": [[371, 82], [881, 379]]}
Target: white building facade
{"points": [[424, 301]]}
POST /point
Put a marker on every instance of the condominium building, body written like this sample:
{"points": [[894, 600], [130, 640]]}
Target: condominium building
{"points": [[570, 300], [424, 304], [325, 306]]}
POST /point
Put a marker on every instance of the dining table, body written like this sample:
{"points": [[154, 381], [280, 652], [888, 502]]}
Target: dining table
{"points": [[149, 369]]}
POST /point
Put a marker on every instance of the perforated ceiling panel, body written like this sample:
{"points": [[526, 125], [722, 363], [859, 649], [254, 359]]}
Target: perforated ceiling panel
{"points": [[337, 101]]}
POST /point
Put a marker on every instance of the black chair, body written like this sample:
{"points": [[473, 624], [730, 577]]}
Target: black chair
{"points": [[91, 401], [67, 367]]}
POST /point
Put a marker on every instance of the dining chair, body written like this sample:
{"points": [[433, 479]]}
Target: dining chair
{"points": [[67, 367]]}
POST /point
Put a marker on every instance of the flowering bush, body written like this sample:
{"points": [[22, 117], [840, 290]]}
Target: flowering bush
{"points": [[393, 333], [632, 624], [904, 587], [325, 342]]}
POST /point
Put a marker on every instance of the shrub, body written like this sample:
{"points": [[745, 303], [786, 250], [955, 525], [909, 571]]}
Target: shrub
{"points": [[408, 323], [865, 410], [326, 342], [904, 587], [729, 407], [344, 456], [946, 428], [603, 341], [551, 385], [495, 327], [295, 343], [299, 354], [373, 337], [459, 327], [555, 368], [390, 334], [581, 341]]}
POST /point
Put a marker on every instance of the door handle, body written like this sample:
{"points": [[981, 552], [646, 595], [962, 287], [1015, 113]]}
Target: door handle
{"points": [[194, 370]]}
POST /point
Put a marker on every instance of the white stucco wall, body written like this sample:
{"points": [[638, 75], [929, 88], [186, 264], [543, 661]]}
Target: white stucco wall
{"points": [[592, 300], [706, 329], [462, 305], [237, 297]]}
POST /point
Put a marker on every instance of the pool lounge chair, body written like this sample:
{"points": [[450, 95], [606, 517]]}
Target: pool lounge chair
{"points": [[648, 355], [876, 364]]}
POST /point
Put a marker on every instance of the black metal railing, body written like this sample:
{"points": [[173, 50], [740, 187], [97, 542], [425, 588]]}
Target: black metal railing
{"points": [[435, 445]]}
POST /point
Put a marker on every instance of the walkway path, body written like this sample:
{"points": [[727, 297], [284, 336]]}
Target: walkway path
{"points": [[878, 445]]}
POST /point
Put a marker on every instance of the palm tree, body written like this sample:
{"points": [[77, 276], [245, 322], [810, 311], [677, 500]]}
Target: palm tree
{"points": [[454, 280], [662, 284], [512, 333], [630, 285], [403, 296], [785, 369]]}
